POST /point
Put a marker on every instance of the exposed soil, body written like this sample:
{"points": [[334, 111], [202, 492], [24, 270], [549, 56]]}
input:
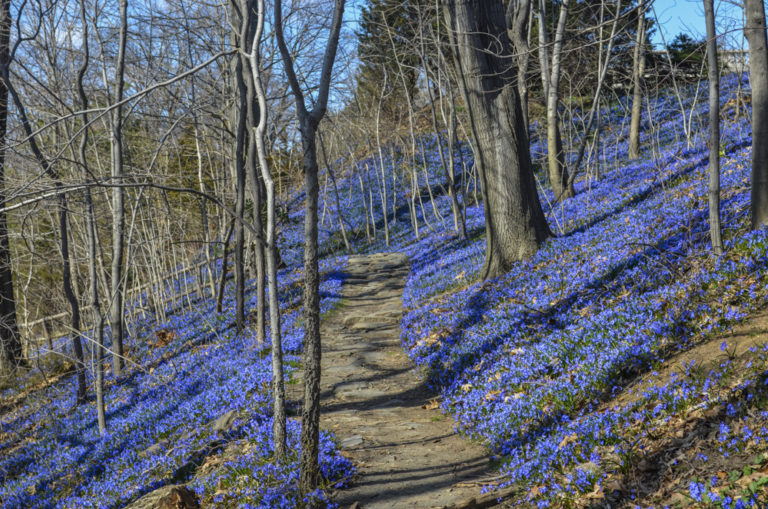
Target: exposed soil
{"points": [[388, 422]]}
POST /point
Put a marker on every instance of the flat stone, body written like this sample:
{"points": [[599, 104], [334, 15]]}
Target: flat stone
{"points": [[352, 441], [376, 356], [358, 390], [371, 324], [353, 320], [225, 422]]}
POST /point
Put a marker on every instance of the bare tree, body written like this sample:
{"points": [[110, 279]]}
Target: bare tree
{"points": [[638, 69], [758, 79], [602, 72], [436, 73], [118, 196], [308, 123], [514, 221], [255, 184], [519, 12], [562, 186], [92, 234], [64, 249], [10, 340], [278, 385], [713, 72]]}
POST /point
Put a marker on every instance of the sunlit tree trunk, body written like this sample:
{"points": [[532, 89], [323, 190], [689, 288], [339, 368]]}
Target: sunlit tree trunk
{"points": [[514, 221], [278, 383], [255, 180], [118, 206], [638, 69], [562, 187], [758, 80], [713, 72], [309, 120]]}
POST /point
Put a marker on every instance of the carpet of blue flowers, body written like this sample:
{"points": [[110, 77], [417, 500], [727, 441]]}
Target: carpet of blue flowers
{"points": [[561, 367], [160, 416], [527, 362]]}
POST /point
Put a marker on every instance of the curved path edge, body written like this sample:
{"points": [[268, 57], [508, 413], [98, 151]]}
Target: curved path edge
{"points": [[388, 422]]}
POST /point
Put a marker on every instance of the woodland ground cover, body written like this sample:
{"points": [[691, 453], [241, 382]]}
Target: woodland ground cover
{"points": [[530, 363], [551, 366], [527, 362], [161, 414]]}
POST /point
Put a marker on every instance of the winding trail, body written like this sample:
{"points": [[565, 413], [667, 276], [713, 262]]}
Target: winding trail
{"points": [[406, 451]]}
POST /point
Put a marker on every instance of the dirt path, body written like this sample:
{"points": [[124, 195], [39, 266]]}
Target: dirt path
{"points": [[405, 449]]}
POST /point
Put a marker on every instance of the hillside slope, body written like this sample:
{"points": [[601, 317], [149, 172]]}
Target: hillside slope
{"points": [[574, 369]]}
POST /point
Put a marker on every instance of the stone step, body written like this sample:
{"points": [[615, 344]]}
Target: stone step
{"points": [[370, 319]]}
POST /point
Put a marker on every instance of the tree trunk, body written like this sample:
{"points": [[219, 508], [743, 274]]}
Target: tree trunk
{"points": [[278, 384], [118, 205], [514, 221], [562, 187], [713, 72], [518, 33], [96, 311], [11, 354], [598, 119], [224, 263], [758, 80], [308, 122], [241, 112], [69, 292], [256, 195], [310, 416], [638, 69], [91, 229], [74, 304]]}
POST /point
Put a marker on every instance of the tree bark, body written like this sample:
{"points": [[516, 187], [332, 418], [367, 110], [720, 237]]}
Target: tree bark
{"points": [[758, 79], [562, 186], [514, 220], [241, 112], [638, 69], [256, 184], [224, 263], [518, 32], [11, 354], [713, 72], [118, 206], [92, 239], [308, 122], [278, 384], [72, 299]]}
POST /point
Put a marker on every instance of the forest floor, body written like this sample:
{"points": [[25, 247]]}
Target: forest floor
{"points": [[406, 450], [387, 421], [691, 445]]}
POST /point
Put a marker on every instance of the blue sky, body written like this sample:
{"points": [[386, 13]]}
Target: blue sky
{"points": [[677, 16]]}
